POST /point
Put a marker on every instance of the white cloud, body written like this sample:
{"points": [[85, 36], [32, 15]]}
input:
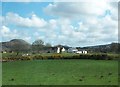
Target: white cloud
{"points": [[96, 26], [7, 33], [77, 24], [5, 30], [15, 19], [53, 23], [28, 39], [99, 31], [77, 9]]}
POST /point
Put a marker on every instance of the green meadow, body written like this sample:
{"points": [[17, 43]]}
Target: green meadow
{"points": [[60, 72]]}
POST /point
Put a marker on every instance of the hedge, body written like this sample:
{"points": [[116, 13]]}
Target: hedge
{"points": [[101, 56]]}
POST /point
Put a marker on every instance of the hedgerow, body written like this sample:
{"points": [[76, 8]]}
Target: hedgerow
{"points": [[100, 56]]}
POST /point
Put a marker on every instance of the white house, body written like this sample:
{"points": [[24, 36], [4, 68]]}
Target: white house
{"points": [[82, 52], [58, 49], [63, 49], [85, 52], [72, 50], [4, 52], [79, 52], [26, 54]]}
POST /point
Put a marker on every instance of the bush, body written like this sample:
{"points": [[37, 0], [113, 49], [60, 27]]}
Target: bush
{"points": [[91, 56], [36, 57], [113, 57], [56, 56]]}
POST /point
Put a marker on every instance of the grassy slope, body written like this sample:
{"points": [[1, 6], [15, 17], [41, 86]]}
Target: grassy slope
{"points": [[55, 72]]}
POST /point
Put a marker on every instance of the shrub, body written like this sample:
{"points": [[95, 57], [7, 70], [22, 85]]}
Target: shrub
{"points": [[45, 57], [56, 56], [76, 57], [37, 57]]}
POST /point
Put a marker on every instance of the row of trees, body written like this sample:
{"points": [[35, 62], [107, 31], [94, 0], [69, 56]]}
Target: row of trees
{"points": [[39, 45], [19, 46]]}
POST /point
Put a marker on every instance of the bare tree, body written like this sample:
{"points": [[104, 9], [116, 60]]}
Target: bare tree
{"points": [[37, 45], [48, 45]]}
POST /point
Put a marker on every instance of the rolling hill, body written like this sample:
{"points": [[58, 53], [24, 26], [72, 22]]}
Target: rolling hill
{"points": [[15, 45]]}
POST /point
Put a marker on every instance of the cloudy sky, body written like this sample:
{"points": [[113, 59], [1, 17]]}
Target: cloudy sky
{"points": [[66, 23]]}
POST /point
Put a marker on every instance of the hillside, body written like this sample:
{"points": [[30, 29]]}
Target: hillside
{"points": [[15, 45], [113, 47]]}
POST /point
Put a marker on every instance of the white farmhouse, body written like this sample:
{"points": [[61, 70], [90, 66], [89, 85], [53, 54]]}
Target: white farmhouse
{"points": [[72, 50], [63, 49], [58, 49], [85, 52], [79, 52]]}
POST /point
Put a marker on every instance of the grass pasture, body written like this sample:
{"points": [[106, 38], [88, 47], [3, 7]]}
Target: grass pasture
{"points": [[60, 72]]}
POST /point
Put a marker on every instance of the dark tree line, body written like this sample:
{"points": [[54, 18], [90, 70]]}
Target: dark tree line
{"points": [[40, 46]]}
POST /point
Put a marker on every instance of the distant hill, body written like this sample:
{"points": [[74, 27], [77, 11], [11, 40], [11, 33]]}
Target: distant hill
{"points": [[113, 47], [15, 45]]}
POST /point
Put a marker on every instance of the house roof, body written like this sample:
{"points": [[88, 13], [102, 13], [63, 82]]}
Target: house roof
{"points": [[73, 49]]}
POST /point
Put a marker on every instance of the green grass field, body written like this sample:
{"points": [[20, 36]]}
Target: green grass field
{"points": [[60, 72]]}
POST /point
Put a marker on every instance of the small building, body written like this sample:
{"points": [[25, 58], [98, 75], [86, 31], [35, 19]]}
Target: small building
{"points": [[85, 52], [72, 50], [79, 52], [63, 49], [4, 52], [82, 52], [58, 50]]}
